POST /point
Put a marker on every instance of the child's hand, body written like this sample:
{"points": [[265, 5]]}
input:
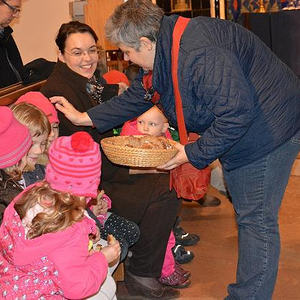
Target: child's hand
{"points": [[97, 236], [101, 207], [112, 252]]}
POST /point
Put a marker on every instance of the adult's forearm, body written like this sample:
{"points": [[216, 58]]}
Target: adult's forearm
{"points": [[83, 120]]}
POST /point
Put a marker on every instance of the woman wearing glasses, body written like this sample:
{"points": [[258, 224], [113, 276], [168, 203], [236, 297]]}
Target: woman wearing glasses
{"points": [[75, 75], [143, 199], [11, 65]]}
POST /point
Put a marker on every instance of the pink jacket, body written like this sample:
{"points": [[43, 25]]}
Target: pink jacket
{"points": [[130, 128], [52, 266]]}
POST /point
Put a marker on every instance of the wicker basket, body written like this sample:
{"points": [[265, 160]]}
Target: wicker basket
{"points": [[135, 157]]}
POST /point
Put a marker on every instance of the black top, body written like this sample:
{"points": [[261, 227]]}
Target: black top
{"points": [[11, 65]]}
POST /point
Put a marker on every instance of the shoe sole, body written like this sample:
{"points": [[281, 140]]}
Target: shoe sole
{"points": [[186, 284], [140, 295]]}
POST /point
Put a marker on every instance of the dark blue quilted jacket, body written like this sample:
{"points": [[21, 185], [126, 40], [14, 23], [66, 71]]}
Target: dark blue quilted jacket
{"points": [[236, 93]]}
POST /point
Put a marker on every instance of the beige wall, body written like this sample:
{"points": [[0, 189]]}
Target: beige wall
{"points": [[37, 26]]}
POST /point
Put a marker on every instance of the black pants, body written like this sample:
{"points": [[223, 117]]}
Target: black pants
{"points": [[146, 200]]}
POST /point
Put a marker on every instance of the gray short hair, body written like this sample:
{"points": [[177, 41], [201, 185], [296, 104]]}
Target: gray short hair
{"points": [[131, 21]]}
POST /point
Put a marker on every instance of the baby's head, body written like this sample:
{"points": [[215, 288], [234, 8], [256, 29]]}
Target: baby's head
{"points": [[152, 122], [39, 127], [41, 102]]}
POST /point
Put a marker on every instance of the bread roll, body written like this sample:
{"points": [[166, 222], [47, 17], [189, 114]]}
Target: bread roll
{"points": [[111, 239]]}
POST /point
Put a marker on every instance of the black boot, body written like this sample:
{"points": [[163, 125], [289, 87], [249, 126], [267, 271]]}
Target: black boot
{"points": [[148, 287], [181, 255], [184, 238]]}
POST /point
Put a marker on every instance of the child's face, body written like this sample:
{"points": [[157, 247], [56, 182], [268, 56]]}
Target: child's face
{"points": [[53, 134], [38, 147], [152, 122]]}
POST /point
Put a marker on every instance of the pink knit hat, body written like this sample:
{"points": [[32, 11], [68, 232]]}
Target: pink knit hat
{"points": [[15, 139], [115, 76], [40, 101], [74, 165]]}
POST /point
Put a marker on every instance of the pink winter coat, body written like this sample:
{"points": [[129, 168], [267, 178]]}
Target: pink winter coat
{"points": [[52, 266]]}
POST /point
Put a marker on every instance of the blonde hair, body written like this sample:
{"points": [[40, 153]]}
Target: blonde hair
{"points": [[156, 110], [37, 123], [32, 117], [67, 209]]}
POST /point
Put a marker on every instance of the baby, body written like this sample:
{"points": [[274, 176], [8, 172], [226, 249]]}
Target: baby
{"points": [[154, 123]]}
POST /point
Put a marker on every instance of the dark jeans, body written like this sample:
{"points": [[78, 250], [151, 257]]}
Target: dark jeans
{"points": [[146, 200], [257, 190]]}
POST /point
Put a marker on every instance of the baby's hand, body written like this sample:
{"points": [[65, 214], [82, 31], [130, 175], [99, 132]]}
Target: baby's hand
{"points": [[101, 207], [112, 252]]}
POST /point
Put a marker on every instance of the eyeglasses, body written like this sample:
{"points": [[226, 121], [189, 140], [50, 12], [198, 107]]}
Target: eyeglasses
{"points": [[14, 9], [80, 53]]}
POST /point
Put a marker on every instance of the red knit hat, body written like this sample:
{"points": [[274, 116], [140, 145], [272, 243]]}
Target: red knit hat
{"points": [[15, 139], [114, 77], [40, 101], [74, 165]]}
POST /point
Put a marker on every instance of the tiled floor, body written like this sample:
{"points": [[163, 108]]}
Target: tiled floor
{"points": [[213, 267]]}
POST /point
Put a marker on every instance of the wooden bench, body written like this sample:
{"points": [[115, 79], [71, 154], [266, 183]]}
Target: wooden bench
{"points": [[10, 94], [119, 273], [11, 88]]}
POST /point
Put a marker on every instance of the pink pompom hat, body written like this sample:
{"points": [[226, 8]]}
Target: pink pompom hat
{"points": [[74, 165], [15, 139]]}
